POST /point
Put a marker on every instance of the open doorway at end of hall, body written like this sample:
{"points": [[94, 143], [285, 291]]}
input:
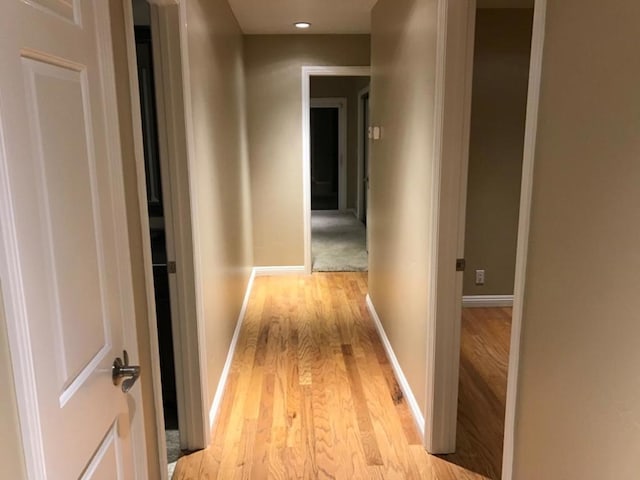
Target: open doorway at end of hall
{"points": [[339, 109]]}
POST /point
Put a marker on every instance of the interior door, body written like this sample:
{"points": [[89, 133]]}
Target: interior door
{"points": [[65, 261]]}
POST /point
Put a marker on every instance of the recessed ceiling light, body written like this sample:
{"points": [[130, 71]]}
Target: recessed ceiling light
{"points": [[302, 25]]}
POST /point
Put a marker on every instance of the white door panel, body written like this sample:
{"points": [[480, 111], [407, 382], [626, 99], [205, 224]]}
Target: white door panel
{"points": [[65, 237], [107, 462]]}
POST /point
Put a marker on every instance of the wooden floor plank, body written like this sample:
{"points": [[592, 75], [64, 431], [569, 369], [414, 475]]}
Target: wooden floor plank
{"points": [[312, 395]]}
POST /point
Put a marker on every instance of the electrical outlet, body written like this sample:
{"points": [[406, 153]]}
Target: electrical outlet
{"points": [[479, 277]]}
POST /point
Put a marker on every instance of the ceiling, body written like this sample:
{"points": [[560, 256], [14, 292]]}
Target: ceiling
{"points": [[326, 16]]}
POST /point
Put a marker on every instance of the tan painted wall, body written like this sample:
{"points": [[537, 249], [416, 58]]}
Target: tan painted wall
{"points": [[219, 171], [273, 66], [500, 83], [123, 93], [403, 46], [578, 410], [347, 87], [11, 452]]}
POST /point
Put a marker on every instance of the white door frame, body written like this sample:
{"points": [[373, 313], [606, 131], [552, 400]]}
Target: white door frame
{"points": [[454, 75], [307, 73], [173, 147], [170, 79], [138, 142], [455, 36], [361, 191], [526, 190], [341, 104]]}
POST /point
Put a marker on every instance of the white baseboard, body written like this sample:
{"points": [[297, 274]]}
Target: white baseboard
{"points": [[402, 380], [478, 301], [284, 270], [217, 399]]}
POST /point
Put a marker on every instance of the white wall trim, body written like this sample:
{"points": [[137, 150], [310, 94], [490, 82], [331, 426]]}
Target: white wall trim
{"points": [[214, 411], [454, 66], [307, 73], [414, 407], [169, 65], [480, 301], [136, 121], [361, 192], [341, 104], [283, 270], [433, 219], [175, 230], [531, 130], [195, 336]]}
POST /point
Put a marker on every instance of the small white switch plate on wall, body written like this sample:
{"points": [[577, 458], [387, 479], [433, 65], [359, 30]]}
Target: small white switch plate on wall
{"points": [[479, 277]]}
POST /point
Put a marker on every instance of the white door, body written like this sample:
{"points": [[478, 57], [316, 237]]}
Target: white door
{"points": [[65, 259]]}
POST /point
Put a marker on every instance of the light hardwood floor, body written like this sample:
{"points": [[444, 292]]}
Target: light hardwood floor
{"points": [[311, 393]]}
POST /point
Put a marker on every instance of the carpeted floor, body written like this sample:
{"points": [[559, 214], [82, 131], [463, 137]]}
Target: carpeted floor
{"points": [[173, 450], [338, 242]]}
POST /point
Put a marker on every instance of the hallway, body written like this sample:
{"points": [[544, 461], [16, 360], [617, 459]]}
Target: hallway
{"points": [[312, 395]]}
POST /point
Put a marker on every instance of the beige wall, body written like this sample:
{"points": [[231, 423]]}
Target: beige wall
{"points": [[274, 99], [403, 47], [578, 409], [11, 452], [123, 93], [347, 87], [500, 82], [219, 175]]}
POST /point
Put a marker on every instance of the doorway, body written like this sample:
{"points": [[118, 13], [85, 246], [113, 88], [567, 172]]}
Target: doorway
{"points": [[328, 156], [318, 73], [502, 56], [161, 264], [336, 135]]}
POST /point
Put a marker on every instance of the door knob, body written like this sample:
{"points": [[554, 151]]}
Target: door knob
{"points": [[121, 369]]}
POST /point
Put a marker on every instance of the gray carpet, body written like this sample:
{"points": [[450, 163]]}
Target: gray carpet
{"points": [[173, 450], [338, 242]]}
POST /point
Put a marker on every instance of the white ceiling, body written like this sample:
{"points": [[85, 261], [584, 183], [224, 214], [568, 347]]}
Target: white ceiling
{"points": [[325, 16]]}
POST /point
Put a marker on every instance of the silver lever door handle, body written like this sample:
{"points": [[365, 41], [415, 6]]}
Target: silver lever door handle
{"points": [[121, 369]]}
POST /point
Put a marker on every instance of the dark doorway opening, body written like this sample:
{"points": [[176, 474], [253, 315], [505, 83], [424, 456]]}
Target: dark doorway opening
{"points": [[325, 156], [162, 268]]}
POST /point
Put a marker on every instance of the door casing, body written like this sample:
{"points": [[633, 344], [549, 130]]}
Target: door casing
{"points": [[307, 73], [171, 80], [456, 25], [362, 173]]}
